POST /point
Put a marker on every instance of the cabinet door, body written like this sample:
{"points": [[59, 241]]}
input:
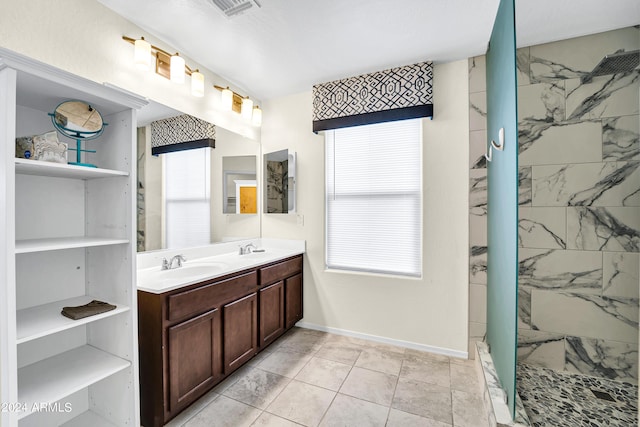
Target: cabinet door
{"points": [[195, 358], [240, 331], [293, 300], [271, 312]]}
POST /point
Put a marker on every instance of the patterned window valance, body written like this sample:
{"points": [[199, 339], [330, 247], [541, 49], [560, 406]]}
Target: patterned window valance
{"points": [[393, 94], [182, 132]]}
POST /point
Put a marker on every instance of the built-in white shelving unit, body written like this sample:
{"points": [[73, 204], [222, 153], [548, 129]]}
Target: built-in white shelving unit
{"points": [[69, 239]]}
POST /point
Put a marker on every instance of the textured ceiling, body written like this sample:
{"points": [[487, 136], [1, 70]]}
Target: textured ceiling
{"points": [[286, 46]]}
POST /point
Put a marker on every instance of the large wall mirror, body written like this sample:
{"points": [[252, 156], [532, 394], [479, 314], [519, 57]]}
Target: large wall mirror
{"points": [[280, 182], [175, 198]]}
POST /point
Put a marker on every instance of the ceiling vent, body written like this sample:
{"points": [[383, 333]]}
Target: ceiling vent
{"points": [[234, 7]]}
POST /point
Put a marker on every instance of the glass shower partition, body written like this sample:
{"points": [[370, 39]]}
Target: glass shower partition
{"points": [[502, 217]]}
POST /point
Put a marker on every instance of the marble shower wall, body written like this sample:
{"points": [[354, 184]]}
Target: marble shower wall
{"points": [[579, 224]]}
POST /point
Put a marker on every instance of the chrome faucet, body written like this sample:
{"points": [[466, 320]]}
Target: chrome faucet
{"points": [[168, 265], [247, 249]]}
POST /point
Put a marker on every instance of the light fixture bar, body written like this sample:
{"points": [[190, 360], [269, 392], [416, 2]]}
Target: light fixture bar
{"points": [[236, 99], [163, 59]]}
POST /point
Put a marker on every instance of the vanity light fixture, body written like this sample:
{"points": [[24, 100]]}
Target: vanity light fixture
{"points": [[197, 84], [247, 109], [257, 116], [142, 54], [226, 98], [177, 69]]}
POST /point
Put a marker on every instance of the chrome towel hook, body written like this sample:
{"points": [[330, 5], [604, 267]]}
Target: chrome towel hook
{"points": [[499, 146]]}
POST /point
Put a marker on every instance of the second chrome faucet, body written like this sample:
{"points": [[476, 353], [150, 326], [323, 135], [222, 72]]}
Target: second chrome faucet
{"points": [[168, 265]]}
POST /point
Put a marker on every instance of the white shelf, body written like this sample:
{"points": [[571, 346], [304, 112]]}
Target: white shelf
{"points": [[59, 170], [88, 418], [54, 244], [59, 376], [43, 320]]}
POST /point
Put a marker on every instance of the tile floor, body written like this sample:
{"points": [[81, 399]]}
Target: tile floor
{"points": [[554, 399], [313, 378]]}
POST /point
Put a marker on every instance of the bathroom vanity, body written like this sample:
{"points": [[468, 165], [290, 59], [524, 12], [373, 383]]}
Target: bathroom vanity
{"points": [[194, 332]]}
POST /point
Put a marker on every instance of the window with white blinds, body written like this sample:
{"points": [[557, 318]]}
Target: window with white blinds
{"points": [[187, 197], [374, 198]]}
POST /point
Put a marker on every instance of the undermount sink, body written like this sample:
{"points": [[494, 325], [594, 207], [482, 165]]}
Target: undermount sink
{"points": [[188, 270]]}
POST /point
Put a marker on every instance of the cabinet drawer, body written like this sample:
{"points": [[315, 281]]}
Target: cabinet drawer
{"points": [[280, 271], [210, 296]]}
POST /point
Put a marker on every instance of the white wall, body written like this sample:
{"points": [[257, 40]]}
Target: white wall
{"points": [[432, 311], [85, 38]]}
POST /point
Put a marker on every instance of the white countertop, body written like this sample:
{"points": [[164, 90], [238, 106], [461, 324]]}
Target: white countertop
{"points": [[208, 262]]}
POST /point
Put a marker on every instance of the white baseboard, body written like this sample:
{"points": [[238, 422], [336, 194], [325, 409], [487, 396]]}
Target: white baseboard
{"points": [[391, 341]]}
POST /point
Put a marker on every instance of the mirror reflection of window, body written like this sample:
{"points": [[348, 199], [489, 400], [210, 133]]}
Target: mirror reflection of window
{"points": [[187, 198]]}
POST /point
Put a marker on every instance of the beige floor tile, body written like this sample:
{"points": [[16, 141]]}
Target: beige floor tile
{"points": [[385, 347], [404, 419], [303, 342], [225, 412], [424, 399], [302, 403], [324, 373], [258, 358], [270, 420], [426, 370], [380, 360], [346, 411], [232, 379], [342, 352], [464, 377], [376, 387], [410, 353], [257, 388], [192, 410], [468, 410], [285, 363]]}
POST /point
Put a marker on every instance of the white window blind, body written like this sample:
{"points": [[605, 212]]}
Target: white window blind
{"points": [[188, 198], [374, 198]]}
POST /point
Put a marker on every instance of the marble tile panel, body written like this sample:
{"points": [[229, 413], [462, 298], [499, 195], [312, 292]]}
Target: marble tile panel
{"points": [[542, 227], [372, 386], [343, 352], [542, 101], [477, 149], [523, 65], [468, 409], [478, 265], [621, 274], [575, 271], [620, 138], [404, 419], [478, 230], [285, 363], [380, 360], [615, 229], [605, 96], [524, 186], [587, 184], [477, 111], [578, 56], [258, 388], [269, 420], [524, 307], [478, 303], [600, 358], [477, 74], [324, 373], [550, 143], [478, 191], [428, 371], [302, 403], [584, 315], [349, 411], [224, 412], [541, 349]]}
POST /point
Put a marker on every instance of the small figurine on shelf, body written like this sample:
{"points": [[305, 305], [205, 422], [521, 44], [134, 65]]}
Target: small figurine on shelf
{"points": [[79, 121]]}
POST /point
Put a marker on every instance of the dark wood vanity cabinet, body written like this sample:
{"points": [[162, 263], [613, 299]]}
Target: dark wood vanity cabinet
{"points": [[192, 338]]}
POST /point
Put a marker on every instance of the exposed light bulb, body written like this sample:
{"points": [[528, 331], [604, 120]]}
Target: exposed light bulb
{"points": [[197, 83], [226, 98], [256, 120], [177, 69], [247, 109], [142, 54]]}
